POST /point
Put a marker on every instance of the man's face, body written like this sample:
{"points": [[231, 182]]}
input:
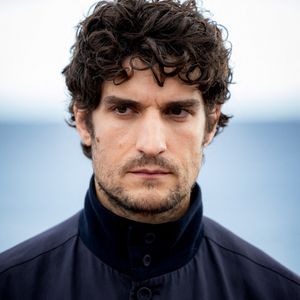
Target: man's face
{"points": [[147, 146]]}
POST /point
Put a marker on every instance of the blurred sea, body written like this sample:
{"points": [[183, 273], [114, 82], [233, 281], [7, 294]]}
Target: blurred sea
{"points": [[250, 183]]}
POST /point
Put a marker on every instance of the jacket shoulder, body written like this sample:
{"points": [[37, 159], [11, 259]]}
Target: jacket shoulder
{"points": [[40, 244], [255, 259]]}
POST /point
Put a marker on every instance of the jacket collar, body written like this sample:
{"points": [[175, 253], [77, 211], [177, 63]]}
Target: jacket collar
{"points": [[141, 250]]}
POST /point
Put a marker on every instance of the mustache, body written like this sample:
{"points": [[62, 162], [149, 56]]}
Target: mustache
{"points": [[145, 160]]}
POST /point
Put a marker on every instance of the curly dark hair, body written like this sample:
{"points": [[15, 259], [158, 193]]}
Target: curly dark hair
{"points": [[170, 37]]}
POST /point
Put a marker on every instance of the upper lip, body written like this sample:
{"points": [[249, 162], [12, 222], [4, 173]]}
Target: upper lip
{"points": [[150, 171]]}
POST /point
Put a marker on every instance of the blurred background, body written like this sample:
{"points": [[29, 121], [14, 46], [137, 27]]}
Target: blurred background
{"points": [[251, 176]]}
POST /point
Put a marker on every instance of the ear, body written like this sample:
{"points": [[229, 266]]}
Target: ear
{"points": [[81, 126], [214, 115]]}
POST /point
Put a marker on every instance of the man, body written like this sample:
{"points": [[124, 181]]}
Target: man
{"points": [[147, 82]]}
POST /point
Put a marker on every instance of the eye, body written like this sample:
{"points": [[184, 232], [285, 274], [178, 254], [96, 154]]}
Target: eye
{"points": [[178, 112], [122, 109]]}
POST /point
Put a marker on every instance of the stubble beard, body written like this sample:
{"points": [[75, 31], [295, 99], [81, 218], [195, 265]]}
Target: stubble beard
{"points": [[122, 202]]}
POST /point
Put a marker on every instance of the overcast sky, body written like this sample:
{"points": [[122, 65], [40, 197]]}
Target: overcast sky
{"points": [[36, 36]]}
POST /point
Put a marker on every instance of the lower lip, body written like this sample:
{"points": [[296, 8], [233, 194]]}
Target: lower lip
{"points": [[149, 175]]}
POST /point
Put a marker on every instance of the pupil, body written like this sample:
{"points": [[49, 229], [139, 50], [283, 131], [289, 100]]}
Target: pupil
{"points": [[122, 109], [176, 110]]}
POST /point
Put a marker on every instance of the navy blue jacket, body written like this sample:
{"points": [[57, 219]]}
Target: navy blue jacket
{"points": [[98, 255]]}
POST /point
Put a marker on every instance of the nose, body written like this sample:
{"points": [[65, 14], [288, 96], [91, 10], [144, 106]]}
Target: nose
{"points": [[151, 138]]}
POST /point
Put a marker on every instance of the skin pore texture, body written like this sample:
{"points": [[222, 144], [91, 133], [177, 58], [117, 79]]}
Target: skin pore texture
{"points": [[147, 145]]}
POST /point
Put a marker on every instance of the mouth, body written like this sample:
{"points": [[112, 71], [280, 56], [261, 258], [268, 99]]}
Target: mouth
{"points": [[149, 172]]}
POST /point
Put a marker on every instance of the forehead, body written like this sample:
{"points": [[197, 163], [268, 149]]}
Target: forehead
{"points": [[142, 86]]}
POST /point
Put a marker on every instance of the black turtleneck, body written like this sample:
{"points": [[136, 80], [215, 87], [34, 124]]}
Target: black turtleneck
{"points": [[141, 250]]}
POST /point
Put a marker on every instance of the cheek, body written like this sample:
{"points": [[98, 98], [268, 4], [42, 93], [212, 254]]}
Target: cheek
{"points": [[195, 151], [189, 140], [111, 143], [188, 147]]}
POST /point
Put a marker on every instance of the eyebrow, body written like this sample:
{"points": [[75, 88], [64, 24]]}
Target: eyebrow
{"points": [[114, 100], [184, 103]]}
